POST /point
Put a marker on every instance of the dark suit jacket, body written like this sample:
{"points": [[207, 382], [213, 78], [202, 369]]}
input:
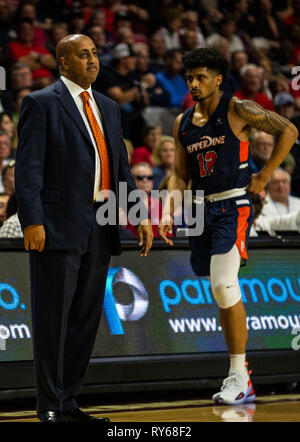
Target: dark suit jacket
{"points": [[55, 165]]}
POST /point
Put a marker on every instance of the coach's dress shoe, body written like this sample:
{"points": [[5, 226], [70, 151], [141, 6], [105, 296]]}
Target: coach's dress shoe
{"points": [[78, 415], [51, 416]]}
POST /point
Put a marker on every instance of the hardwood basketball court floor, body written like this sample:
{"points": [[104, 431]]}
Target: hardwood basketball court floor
{"points": [[268, 408]]}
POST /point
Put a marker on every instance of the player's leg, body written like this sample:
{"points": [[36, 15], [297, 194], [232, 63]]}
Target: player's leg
{"points": [[225, 287]]}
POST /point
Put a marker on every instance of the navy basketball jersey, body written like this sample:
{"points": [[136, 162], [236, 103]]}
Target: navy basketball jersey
{"points": [[217, 159]]}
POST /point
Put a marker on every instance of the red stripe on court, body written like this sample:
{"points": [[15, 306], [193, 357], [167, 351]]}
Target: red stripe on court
{"points": [[242, 227], [244, 151]]}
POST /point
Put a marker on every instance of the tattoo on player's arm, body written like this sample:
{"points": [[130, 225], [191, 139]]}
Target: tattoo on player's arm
{"points": [[260, 118]]}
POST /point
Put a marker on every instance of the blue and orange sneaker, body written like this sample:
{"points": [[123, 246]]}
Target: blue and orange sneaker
{"points": [[237, 389]]}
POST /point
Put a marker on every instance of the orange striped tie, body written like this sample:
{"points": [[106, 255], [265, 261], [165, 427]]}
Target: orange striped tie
{"points": [[101, 144]]}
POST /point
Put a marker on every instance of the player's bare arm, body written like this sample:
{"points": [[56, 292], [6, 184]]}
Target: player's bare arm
{"points": [[178, 181], [252, 115]]}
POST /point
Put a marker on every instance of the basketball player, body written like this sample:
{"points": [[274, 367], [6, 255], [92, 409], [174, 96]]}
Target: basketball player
{"points": [[212, 151]]}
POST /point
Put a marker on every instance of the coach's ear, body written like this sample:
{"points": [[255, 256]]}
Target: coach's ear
{"points": [[63, 64]]}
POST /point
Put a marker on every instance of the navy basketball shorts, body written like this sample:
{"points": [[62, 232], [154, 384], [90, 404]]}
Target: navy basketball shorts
{"points": [[226, 223]]}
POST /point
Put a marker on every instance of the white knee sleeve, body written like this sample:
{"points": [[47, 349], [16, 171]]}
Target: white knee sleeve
{"points": [[224, 270]]}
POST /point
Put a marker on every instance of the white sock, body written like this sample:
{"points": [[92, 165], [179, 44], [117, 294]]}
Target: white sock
{"points": [[237, 363]]}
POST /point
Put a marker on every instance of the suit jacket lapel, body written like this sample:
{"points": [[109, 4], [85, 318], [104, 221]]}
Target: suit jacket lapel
{"points": [[69, 105]]}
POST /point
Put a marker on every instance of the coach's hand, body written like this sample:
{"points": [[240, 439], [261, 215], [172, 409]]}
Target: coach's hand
{"points": [[165, 226], [145, 232], [34, 237]]}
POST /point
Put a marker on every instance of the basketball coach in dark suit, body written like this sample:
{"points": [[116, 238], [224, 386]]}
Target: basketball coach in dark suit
{"points": [[70, 153]]}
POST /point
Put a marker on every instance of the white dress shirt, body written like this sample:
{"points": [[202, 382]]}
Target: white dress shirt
{"points": [[270, 224], [75, 90], [273, 208]]}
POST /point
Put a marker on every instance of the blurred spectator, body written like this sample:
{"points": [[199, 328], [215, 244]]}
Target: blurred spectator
{"points": [[171, 31], [76, 22], [120, 84], [267, 72], [190, 22], [28, 10], [285, 105], [157, 95], [251, 85], [227, 30], [292, 16], [163, 159], [282, 59], [189, 41], [260, 47], [7, 124], [8, 178], [279, 83], [233, 82], [262, 145], [19, 76], [57, 32], [3, 204], [267, 25], [295, 38], [37, 58], [271, 224], [143, 175], [99, 18], [125, 35], [158, 50], [142, 154], [141, 51], [11, 228], [209, 16], [97, 34], [87, 8], [243, 19], [6, 28], [122, 19], [5, 153], [279, 200], [124, 31], [171, 78], [221, 44]]}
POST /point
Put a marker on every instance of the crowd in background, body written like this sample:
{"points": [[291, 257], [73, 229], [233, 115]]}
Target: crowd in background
{"points": [[140, 46]]}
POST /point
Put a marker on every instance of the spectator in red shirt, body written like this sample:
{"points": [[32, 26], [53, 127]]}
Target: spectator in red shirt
{"points": [[87, 8], [251, 85], [36, 57], [28, 10], [142, 154], [293, 19]]}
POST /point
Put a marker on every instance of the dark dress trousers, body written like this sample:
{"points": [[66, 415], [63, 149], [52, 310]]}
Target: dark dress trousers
{"points": [[54, 179]]}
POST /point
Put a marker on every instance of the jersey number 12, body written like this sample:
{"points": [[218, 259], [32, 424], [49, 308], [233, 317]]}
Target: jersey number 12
{"points": [[207, 162]]}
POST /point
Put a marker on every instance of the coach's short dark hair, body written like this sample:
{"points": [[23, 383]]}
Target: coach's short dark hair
{"points": [[209, 58]]}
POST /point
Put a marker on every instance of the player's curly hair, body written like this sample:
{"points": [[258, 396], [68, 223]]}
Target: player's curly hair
{"points": [[209, 58]]}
